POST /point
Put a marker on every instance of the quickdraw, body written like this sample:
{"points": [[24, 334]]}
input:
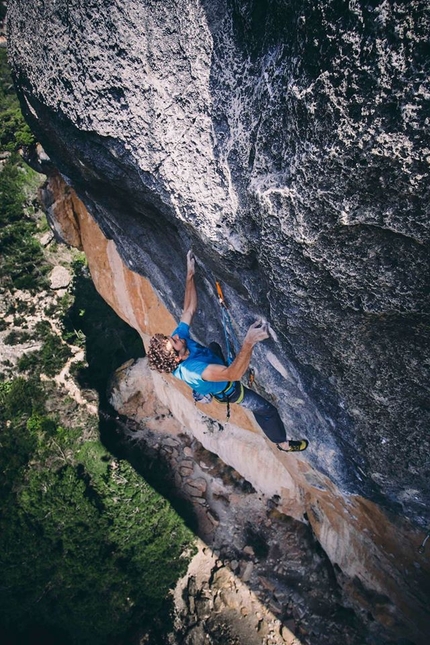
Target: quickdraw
{"points": [[251, 377], [220, 294]]}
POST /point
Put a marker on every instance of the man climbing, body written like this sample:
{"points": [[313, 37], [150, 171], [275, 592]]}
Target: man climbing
{"points": [[205, 371]]}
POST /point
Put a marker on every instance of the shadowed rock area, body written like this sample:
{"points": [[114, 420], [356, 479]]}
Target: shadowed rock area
{"points": [[288, 144]]}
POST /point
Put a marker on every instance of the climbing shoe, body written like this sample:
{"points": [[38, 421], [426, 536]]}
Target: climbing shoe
{"points": [[295, 446]]}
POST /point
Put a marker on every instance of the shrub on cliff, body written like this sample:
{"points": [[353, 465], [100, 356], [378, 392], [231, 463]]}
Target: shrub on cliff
{"points": [[21, 258], [49, 360], [22, 264], [14, 131]]}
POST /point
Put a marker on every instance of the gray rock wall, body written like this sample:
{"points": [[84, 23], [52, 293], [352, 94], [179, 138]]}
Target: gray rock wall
{"points": [[288, 143]]}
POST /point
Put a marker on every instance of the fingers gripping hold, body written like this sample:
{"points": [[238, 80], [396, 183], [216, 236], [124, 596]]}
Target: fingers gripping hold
{"points": [[258, 331], [191, 263]]}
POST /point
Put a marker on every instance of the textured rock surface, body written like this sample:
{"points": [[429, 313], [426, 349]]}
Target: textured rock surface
{"points": [[215, 607], [289, 145]]}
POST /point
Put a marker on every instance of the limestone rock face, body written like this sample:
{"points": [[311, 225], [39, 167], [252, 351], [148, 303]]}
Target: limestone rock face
{"points": [[287, 143]]}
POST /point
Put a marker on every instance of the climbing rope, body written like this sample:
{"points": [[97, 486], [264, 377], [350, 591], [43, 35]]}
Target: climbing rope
{"points": [[231, 339], [423, 544], [232, 345], [227, 326]]}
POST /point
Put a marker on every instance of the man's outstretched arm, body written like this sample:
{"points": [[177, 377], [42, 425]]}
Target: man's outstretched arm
{"points": [[190, 298], [234, 372]]}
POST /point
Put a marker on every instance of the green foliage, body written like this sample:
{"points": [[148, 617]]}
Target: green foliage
{"points": [[68, 437], [20, 397], [88, 549], [94, 458], [22, 263], [14, 131], [39, 424], [53, 355], [43, 328], [114, 545], [77, 369], [20, 321], [79, 263], [16, 337], [49, 360], [11, 191], [24, 307]]}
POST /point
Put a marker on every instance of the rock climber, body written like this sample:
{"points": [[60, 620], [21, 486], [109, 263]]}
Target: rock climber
{"points": [[205, 371]]}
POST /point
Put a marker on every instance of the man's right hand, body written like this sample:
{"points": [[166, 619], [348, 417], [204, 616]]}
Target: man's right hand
{"points": [[234, 372], [257, 332], [191, 264]]}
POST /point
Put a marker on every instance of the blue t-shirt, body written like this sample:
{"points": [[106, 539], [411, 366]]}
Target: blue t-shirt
{"points": [[191, 369]]}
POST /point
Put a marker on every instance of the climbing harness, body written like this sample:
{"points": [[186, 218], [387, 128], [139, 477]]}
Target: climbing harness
{"points": [[233, 389]]}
